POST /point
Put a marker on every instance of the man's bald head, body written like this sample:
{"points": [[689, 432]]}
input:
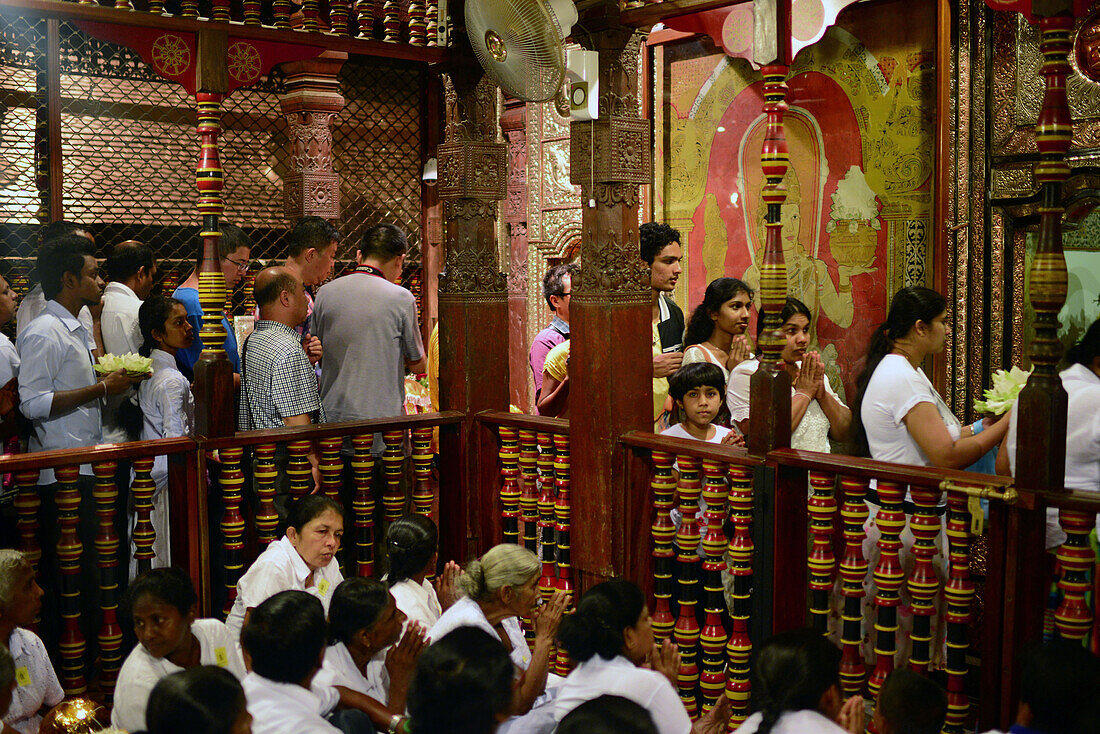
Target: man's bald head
{"points": [[271, 282]]}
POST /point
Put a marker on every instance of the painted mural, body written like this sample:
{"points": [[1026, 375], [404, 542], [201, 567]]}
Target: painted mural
{"points": [[857, 218]]}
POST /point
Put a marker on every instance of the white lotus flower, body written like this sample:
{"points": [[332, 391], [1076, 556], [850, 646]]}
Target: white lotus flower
{"points": [[1006, 388]]}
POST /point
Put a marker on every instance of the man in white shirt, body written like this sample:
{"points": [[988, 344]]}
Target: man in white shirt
{"points": [[131, 272], [284, 645]]}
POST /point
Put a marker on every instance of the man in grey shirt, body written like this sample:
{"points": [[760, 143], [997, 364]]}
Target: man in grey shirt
{"points": [[371, 336]]}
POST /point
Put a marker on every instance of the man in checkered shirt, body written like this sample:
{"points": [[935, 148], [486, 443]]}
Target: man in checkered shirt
{"points": [[279, 385]]}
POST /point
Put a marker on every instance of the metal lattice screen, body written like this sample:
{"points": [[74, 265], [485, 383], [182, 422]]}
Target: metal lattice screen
{"points": [[129, 149]]}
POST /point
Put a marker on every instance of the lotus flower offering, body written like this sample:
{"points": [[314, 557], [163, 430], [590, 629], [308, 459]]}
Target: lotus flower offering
{"points": [[134, 364], [1006, 388]]}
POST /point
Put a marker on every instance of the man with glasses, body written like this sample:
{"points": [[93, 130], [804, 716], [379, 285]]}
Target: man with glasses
{"points": [[557, 285], [234, 250]]}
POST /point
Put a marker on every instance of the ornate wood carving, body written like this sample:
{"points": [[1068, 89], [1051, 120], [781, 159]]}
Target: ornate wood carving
{"points": [[311, 103], [611, 150]]}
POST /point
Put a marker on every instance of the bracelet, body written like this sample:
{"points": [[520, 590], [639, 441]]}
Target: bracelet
{"points": [[977, 427], [104, 383], [395, 721], [804, 394]]}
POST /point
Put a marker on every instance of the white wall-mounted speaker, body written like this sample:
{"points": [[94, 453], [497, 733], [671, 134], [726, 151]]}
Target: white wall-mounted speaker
{"points": [[583, 72]]}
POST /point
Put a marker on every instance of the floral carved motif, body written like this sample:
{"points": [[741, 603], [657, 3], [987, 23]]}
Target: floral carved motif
{"points": [[471, 269], [470, 98], [611, 150], [466, 209], [473, 169]]}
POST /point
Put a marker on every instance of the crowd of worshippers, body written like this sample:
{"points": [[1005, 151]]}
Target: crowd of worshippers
{"points": [[702, 368], [306, 651]]}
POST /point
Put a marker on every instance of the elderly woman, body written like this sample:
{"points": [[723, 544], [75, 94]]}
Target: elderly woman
{"points": [[501, 587], [37, 686]]}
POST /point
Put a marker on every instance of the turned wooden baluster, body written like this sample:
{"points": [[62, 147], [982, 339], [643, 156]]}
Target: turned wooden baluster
{"points": [[282, 13], [156, 7], [391, 21], [330, 467], [145, 535], [959, 593], [267, 517], [105, 495], [423, 496], [686, 631], [853, 572], [27, 503], [338, 15], [417, 23], [189, 9], [741, 548], [69, 550], [713, 638], [311, 15], [210, 180], [889, 578], [251, 12], [299, 472], [1073, 619], [362, 465], [529, 498], [364, 11], [663, 485], [393, 459], [549, 579], [232, 480], [431, 23], [924, 585], [509, 487], [821, 508], [219, 10], [561, 514], [123, 5]]}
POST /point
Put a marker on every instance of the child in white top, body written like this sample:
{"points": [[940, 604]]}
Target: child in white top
{"points": [[36, 685], [162, 605], [697, 389]]}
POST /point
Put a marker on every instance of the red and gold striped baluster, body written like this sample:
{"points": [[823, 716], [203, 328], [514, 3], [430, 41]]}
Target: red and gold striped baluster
{"points": [[509, 486], [219, 10], [232, 480], [712, 639], [210, 180], [299, 472], [853, 572], [145, 535], [362, 465], [69, 550], [364, 11], [821, 508], [391, 21], [106, 545], [156, 7], [741, 548], [417, 24], [330, 467], [27, 503], [958, 593], [423, 496], [393, 459], [686, 631], [529, 498], [431, 23], [1073, 618], [267, 518], [924, 585], [338, 16], [889, 578], [561, 514], [189, 9], [251, 12], [663, 485], [549, 579], [123, 5], [311, 15], [282, 13]]}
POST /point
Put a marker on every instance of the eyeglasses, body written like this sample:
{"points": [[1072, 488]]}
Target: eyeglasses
{"points": [[564, 295], [241, 266]]}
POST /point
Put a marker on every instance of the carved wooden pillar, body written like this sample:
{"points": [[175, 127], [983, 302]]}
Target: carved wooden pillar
{"points": [[473, 306], [609, 373], [513, 124], [310, 104]]}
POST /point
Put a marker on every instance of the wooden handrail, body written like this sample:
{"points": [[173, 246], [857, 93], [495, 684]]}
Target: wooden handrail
{"points": [[93, 454], [871, 469], [332, 430], [71, 11], [688, 447], [544, 424]]}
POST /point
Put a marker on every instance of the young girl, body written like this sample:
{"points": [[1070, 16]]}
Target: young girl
{"points": [[697, 389], [167, 405], [413, 545], [20, 602], [816, 411], [716, 331], [162, 604]]}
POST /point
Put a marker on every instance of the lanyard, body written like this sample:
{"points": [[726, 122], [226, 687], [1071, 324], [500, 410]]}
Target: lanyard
{"points": [[370, 270]]}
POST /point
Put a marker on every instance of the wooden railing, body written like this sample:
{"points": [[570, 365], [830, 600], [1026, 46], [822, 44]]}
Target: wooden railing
{"points": [[196, 468]]}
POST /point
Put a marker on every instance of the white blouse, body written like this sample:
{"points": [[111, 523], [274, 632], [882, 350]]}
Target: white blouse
{"points": [[168, 407], [699, 353], [283, 708], [36, 683], [812, 433], [280, 568], [467, 613], [620, 677], [339, 669], [418, 601], [141, 671], [794, 722]]}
